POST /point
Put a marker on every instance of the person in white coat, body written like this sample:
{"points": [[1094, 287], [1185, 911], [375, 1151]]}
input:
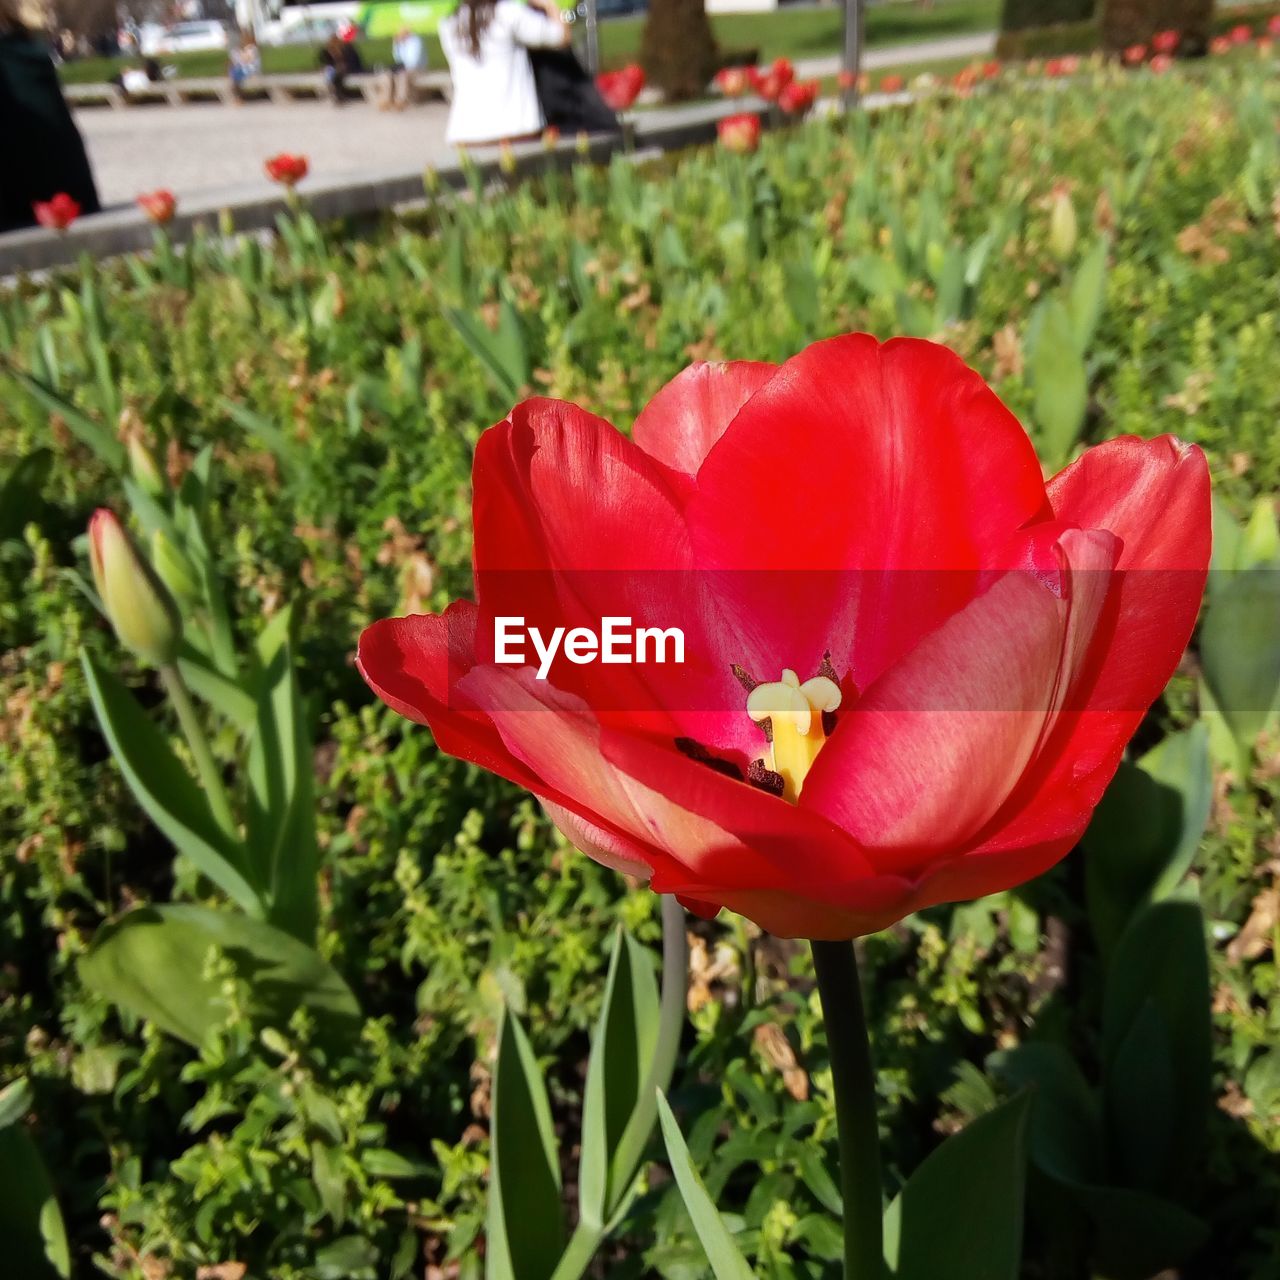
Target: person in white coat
{"points": [[486, 43]]}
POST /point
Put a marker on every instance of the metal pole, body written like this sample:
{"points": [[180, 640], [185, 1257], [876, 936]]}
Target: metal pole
{"points": [[852, 47], [593, 38]]}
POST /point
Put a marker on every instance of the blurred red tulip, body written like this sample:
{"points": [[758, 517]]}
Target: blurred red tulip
{"points": [[798, 97], [159, 206], [892, 84], [1220, 45], [1273, 25], [739, 133], [1241, 34], [991, 69], [846, 81], [621, 88], [1166, 41], [1134, 55], [733, 82], [57, 213], [1160, 63], [287, 169]]}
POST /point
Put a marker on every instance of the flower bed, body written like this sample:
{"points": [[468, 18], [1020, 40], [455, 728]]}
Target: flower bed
{"points": [[1105, 253]]}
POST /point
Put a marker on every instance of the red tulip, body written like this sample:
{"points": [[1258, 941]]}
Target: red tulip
{"points": [[798, 97], [733, 82], [1273, 25], [620, 89], [1241, 34], [891, 84], [287, 169], [159, 206], [964, 80], [57, 213], [770, 83], [739, 133], [1166, 41], [1160, 63], [846, 81], [1135, 55], [990, 70], [860, 550], [1220, 45]]}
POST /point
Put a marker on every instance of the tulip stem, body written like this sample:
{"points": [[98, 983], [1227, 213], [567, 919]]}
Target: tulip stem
{"points": [[206, 765], [854, 1084]]}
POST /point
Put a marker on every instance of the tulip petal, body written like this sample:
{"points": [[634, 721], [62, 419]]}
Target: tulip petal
{"points": [[932, 750], [685, 419], [893, 466], [413, 664], [1154, 496]]}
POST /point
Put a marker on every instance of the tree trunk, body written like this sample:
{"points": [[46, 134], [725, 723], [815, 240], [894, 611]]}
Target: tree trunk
{"points": [[678, 51], [1127, 22]]}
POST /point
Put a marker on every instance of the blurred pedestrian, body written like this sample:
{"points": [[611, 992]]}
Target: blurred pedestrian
{"points": [[245, 63], [487, 44], [43, 153], [339, 59], [406, 59]]}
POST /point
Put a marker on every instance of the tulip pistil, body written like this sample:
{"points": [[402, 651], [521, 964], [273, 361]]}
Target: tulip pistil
{"points": [[793, 715]]}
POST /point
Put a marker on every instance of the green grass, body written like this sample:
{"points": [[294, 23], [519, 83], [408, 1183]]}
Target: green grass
{"points": [[802, 34]]}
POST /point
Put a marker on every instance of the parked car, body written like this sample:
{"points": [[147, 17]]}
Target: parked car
{"points": [[185, 37], [299, 31]]}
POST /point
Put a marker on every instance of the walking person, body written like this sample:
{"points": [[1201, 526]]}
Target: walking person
{"points": [[406, 59], [487, 45], [43, 152]]}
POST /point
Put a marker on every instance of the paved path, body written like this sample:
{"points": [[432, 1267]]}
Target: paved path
{"points": [[201, 150]]}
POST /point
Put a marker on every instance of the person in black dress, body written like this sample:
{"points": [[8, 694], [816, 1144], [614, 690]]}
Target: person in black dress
{"points": [[43, 151]]}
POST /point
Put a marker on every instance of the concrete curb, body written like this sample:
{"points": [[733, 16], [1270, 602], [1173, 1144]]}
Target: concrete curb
{"points": [[124, 230]]}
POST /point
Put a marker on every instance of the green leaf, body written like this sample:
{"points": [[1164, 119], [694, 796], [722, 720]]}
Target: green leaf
{"points": [[526, 1226], [164, 789], [152, 963], [1087, 294], [1060, 382], [350, 1258], [727, 1262], [1065, 1139], [89, 432], [621, 1052], [1238, 650], [1137, 1235], [1145, 833], [1140, 1102], [1162, 959], [20, 493], [503, 352], [960, 1214], [281, 813], [35, 1237]]}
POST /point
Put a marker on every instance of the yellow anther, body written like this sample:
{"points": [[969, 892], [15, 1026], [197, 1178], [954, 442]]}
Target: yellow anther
{"points": [[794, 712]]}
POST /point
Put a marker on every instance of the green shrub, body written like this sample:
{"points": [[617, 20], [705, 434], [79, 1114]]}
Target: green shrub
{"points": [[1125, 22]]}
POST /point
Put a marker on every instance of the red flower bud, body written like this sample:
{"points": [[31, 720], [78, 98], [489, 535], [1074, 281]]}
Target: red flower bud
{"points": [[287, 169], [159, 206], [57, 213], [739, 133]]}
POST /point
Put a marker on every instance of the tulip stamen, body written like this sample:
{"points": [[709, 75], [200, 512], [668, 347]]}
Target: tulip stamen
{"points": [[794, 717]]}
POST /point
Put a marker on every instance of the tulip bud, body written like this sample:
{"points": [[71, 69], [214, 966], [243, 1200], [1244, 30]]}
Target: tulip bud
{"points": [[226, 223], [135, 600], [583, 143], [175, 569], [507, 159], [1062, 224], [430, 180], [144, 468]]}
